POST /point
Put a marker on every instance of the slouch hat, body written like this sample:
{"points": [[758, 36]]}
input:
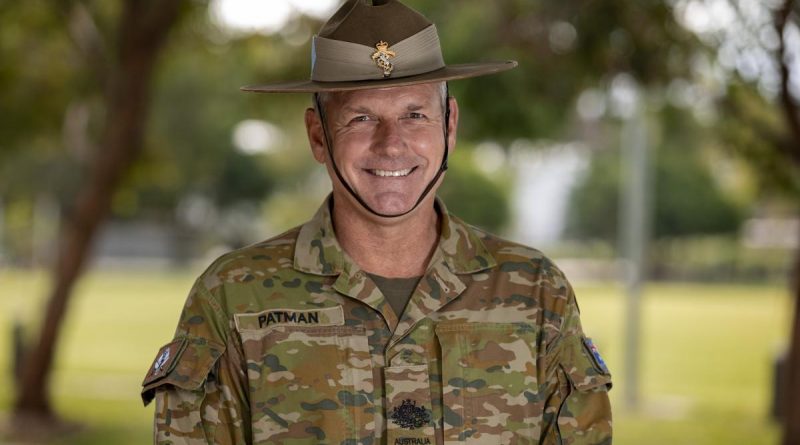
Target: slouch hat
{"points": [[377, 44]]}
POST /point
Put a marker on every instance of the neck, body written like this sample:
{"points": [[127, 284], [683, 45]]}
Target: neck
{"points": [[390, 247]]}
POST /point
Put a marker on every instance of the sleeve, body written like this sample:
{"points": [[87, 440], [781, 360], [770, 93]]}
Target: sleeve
{"points": [[197, 380], [580, 407]]}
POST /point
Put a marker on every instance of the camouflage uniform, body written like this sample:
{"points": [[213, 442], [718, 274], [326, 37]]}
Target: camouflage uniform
{"points": [[289, 342]]}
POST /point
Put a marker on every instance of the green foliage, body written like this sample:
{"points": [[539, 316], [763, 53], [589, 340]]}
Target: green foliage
{"points": [[39, 77], [754, 130], [242, 180], [562, 48], [49, 98], [594, 205], [38, 74], [472, 196], [685, 200]]}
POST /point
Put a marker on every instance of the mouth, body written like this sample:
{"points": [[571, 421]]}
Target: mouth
{"points": [[391, 173]]}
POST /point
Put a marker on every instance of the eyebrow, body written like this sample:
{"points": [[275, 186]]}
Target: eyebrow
{"points": [[358, 110]]}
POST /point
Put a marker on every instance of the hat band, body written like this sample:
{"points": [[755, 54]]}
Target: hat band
{"points": [[339, 61]]}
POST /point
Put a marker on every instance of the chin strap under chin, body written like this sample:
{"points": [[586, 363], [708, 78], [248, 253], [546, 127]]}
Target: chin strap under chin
{"points": [[353, 193]]}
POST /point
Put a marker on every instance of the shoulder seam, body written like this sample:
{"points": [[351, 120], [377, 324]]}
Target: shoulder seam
{"points": [[212, 301]]}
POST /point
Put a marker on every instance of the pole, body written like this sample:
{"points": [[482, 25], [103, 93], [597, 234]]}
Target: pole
{"points": [[634, 219]]}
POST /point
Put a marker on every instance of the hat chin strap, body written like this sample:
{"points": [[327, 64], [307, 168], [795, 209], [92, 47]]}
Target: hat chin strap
{"points": [[350, 189]]}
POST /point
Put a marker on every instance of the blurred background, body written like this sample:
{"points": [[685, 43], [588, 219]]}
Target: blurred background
{"points": [[650, 147]]}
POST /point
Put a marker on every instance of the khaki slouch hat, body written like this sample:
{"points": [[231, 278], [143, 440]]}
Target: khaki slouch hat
{"points": [[377, 45]]}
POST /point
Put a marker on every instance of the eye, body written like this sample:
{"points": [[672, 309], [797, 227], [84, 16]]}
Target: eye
{"points": [[362, 118], [415, 115]]}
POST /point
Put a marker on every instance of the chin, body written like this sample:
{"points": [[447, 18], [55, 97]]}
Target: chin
{"points": [[391, 203], [392, 208]]}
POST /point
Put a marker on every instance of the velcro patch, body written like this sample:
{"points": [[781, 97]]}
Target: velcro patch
{"points": [[598, 360], [165, 360], [329, 316]]}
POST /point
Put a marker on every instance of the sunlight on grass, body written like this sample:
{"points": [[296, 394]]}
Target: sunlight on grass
{"points": [[706, 362]]}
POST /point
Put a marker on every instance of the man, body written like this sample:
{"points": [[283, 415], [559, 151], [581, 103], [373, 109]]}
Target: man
{"points": [[384, 319]]}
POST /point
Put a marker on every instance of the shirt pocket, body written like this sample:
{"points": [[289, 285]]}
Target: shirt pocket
{"points": [[490, 383], [309, 384]]}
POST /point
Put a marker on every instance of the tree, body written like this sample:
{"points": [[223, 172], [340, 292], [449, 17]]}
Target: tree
{"points": [[124, 70], [789, 149], [766, 132], [686, 199], [471, 195], [564, 48]]}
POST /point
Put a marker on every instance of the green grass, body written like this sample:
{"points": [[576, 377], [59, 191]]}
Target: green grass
{"points": [[706, 359]]}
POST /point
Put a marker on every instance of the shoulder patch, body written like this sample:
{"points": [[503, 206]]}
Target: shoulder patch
{"points": [[329, 316], [165, 360], [595, 354]]}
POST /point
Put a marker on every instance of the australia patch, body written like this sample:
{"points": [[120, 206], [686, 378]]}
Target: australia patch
{"points": [[409, 415], [587, 342], [412, 441]]}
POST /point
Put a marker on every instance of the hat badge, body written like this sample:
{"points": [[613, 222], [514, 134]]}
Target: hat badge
{"points": [[381, 57]]}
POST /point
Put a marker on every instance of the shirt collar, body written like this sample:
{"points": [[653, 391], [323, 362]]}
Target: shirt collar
{"points": [[318, 252]]}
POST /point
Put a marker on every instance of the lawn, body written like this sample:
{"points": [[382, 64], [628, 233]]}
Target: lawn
{"points": [[705, 369]]}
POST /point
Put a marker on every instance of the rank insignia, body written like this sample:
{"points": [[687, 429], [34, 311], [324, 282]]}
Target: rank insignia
{"points": [[409, 415], [381, 58]]}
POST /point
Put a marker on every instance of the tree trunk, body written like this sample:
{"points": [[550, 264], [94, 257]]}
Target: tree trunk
{"points": [[791, 417], [791, 150], [142, 31]]}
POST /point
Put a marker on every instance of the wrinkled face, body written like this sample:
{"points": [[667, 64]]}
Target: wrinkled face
{"points": [[388, 143]]}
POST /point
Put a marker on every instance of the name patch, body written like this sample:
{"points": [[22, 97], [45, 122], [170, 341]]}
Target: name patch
{"points": [[329, 316]]}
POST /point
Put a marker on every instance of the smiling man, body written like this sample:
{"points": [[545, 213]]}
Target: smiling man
{"points": [[384, 319]]}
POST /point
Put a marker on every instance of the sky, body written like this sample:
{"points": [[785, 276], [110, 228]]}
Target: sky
{"points": [[267, 16]]}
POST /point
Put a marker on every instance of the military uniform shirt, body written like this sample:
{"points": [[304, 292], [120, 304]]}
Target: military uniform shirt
{"points": [[288, 342]]}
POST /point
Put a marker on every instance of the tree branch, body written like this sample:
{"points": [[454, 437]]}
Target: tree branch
{"points": [[86, 36], [790, 109], [143, 26]]}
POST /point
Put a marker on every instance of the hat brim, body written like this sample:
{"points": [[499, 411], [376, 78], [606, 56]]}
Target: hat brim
{"points": [[450, 72]]}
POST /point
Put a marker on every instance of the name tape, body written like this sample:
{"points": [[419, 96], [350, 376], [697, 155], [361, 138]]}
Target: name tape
{"points": [[329, 316]]}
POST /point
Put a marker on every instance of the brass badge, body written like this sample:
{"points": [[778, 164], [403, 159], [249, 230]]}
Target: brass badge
{"points": [[381, 57]]}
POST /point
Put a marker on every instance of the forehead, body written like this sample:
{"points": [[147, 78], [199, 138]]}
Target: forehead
{"points": [[421, 94]]}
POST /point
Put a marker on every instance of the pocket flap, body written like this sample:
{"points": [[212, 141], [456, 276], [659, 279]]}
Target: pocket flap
{"points": [[185, 363], [583, 365]]}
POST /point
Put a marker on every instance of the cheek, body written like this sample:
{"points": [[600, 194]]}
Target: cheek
{"points": [[350, 147], [430, 143]]}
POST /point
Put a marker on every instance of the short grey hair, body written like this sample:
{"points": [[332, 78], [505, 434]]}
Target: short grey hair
{"points": [[321, 98]]}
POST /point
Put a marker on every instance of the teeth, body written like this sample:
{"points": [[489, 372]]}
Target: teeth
{"points": [[391, 172]]}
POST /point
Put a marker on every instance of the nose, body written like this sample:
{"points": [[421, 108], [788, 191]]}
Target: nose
{"points": [[388, 138]]}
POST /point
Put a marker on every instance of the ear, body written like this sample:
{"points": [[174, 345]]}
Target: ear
{"points": [[452, 124], [316, 137]]}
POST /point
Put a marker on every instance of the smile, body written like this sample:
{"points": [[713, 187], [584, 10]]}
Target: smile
{"points": [[391, 173]]}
